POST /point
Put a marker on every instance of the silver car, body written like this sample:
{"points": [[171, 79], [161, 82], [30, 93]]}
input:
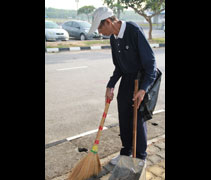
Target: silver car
{"points": [[79, 29], [54, 32]]}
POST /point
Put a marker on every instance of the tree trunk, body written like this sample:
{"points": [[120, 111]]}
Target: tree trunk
{"points": [[150, 28], [149, 20]]}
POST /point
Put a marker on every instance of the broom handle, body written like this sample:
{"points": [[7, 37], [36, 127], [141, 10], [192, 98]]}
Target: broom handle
{"points": [[102, 120], [135, 120]]}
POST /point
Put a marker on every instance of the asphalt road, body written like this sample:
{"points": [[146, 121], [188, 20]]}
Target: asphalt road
{"points": [[75, 84], [155, 33]]}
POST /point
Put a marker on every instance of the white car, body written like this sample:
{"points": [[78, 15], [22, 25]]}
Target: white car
{"points": [[54, 32]]}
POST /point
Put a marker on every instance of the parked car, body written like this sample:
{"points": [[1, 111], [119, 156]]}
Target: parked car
{"points": [[79, 29], [55, 32]]}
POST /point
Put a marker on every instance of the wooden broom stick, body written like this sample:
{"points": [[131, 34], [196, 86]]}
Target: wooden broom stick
{"points": [[97, 139], [135, 119]]}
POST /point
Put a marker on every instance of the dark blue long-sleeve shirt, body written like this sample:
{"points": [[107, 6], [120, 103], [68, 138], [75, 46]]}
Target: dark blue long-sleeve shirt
{"points": [[131, 54]]}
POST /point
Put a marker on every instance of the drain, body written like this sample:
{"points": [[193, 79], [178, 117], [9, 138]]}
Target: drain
{"points": [[154, 124], [82, 149]]}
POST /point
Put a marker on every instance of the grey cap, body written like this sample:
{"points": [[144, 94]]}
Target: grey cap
{"points": [[99, 14]]}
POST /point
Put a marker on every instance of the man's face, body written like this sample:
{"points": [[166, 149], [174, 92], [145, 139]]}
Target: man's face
{"points": [[105, 28]]}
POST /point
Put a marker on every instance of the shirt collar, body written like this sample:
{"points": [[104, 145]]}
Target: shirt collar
{"points": [[121, 31]]}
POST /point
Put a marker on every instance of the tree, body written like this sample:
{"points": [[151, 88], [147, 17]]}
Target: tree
{"points": [[86, 10], [143, 7], [115, 6]]}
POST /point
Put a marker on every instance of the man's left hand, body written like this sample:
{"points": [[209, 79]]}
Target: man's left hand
{"points": [[140, 95]]}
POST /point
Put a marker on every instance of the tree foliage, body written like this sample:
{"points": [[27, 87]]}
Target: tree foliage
{"points": [[87, 10], [72, 14], [115, 5], [60, 13], [145, 8]]}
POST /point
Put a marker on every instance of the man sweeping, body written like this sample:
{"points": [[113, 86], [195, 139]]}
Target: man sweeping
{"points": [[131, 53]]}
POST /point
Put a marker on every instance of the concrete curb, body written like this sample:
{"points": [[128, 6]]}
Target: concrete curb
{"points": [[88, 133], [90, 48]]}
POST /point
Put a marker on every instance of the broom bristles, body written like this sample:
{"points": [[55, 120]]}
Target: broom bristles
{"points": [[87, 167]]}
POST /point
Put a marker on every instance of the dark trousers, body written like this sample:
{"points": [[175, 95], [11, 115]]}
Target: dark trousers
{"points": [[125, 110]]}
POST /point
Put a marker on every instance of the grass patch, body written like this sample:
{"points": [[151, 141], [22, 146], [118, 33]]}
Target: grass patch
{"points": [[62, 46], [66, 44], [157, 41], [104, 42], [147, 25], [96, 42]]}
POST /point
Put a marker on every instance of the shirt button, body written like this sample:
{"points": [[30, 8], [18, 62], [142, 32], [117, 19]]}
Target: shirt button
{"points": [[118, 44], [119, 51]]}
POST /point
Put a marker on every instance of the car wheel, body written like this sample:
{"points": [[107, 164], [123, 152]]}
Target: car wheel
{"points": [[82, 37]]}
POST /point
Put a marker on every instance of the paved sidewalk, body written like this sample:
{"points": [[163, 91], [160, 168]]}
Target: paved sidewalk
{"points": [[60, 159], [156, 161], [155, 169]]}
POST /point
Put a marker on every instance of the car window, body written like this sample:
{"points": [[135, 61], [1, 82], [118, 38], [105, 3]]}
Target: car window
{"points": [[51, 25], [68, 23], [85, 24], [75, 24]]}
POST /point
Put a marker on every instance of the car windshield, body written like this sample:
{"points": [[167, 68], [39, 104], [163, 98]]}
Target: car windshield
{"points": [[51, 25], [85, 24]]}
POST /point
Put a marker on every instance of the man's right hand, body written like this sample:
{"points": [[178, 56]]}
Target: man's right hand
{"points": [[109, 94]]}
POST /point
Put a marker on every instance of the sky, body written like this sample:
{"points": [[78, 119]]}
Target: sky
{"points": [[71, 4]]}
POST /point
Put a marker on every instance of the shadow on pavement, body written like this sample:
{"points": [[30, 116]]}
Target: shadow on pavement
{"points": [[106, 169]]}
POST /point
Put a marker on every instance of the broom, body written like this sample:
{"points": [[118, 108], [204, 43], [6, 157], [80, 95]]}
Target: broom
{"points": [[90, 164]]}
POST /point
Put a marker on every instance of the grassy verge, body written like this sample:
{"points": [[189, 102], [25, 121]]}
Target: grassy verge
{"points": [[157, 41], [97, 42], [65, 44], [147, 25], [104, 42]]}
